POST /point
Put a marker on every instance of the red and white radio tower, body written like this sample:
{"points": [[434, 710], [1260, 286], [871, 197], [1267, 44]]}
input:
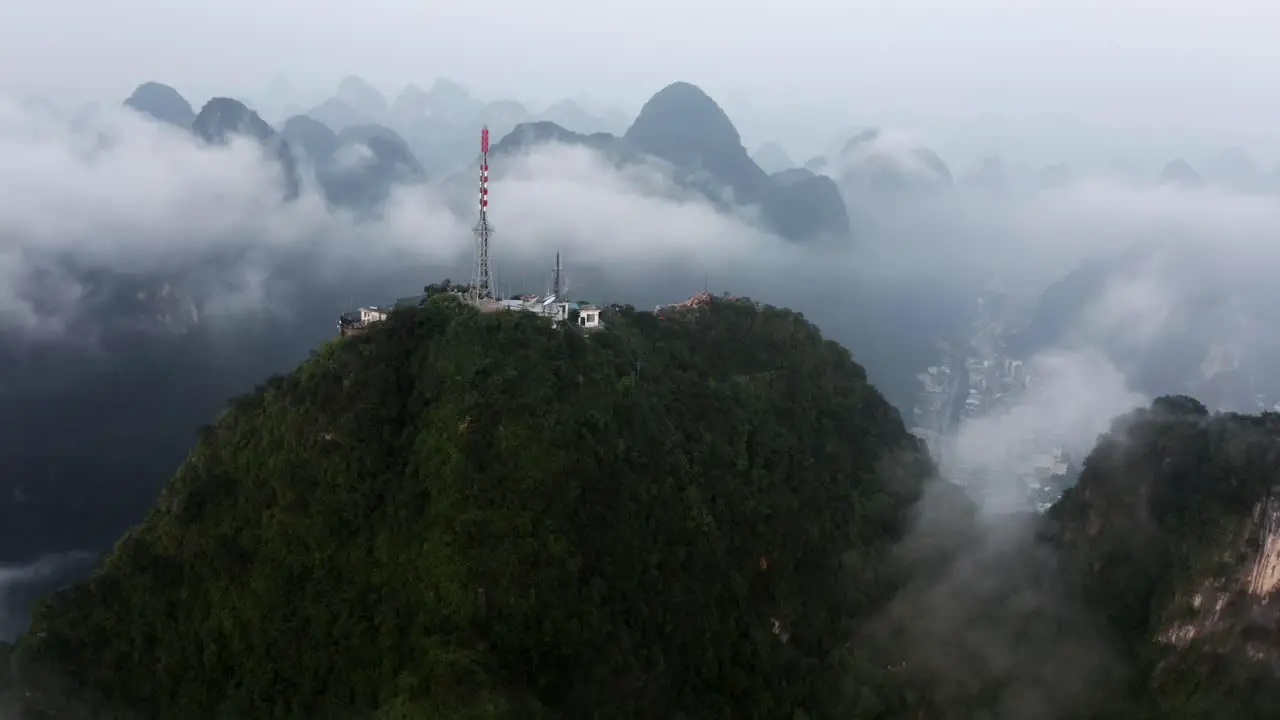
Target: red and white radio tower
{"points": [[482, 287]]}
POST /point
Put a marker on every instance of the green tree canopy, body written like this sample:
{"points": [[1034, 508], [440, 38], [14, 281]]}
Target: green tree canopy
{"points": [[476, 515]]}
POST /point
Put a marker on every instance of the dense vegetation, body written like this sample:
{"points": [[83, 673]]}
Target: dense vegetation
{"points": [[1164, 513], [465, 515], [685, 515], [1131, 600]]}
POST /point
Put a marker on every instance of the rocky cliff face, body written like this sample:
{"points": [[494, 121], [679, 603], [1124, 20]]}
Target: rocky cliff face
{"points": [[1174, 533], [1264, 580], [1236, 608]]}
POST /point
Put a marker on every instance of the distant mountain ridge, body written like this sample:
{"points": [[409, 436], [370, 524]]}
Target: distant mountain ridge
{"points": [[439, 123], [773, 158], [864, 165], [686, 129], [1179, 173], [1203, 343], [377, 158], [221, 119], [163, 103]]}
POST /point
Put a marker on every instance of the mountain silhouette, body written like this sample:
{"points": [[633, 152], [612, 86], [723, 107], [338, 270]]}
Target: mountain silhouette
{"points": [[163, 103], [684, 127], [222, 119]]}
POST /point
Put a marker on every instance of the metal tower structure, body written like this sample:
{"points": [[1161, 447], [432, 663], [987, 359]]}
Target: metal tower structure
{"points": [[555, 283], [482, 285]]}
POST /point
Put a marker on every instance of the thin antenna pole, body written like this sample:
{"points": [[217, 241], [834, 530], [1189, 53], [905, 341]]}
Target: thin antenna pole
{"points": [[555, 284]]}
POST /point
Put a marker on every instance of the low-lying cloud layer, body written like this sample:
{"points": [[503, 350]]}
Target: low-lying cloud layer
{"points": [[22, 585], [569, 198], [1071, 399], [1029, 228], [1180, 299], [121, 193], [116, 193]]}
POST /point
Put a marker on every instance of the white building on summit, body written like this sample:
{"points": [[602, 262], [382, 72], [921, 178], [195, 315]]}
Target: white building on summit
{"points": [[359, 320], [588, 316]]}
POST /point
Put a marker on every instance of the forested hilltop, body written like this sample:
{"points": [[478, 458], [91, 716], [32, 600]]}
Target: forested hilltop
{"points": [[475, 515], [703, 514]]}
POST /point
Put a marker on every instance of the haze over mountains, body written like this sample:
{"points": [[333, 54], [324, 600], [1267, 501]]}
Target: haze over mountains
{"points": [[906, 208], [920, 239], [439, 123], [167, 253]]}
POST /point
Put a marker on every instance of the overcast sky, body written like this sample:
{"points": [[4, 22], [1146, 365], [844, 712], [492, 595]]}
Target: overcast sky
{"points": [[1199, 64]]}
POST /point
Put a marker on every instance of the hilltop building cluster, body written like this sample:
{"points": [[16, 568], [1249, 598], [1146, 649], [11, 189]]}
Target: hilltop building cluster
{"points": [[359, 320], [554, 307], [699, 300], [482, 293]]}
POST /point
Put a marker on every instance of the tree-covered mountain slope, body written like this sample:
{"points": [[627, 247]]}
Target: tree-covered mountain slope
{"points": [[1149, 592], [1174, 535], [475, 515]]}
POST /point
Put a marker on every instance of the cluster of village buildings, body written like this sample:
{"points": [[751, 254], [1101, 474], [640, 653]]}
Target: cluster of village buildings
{"points": [[974, 382], [557, 310]]}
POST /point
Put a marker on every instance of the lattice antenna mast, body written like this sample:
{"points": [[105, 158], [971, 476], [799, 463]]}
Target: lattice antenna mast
{"points": [[482, 285]]}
